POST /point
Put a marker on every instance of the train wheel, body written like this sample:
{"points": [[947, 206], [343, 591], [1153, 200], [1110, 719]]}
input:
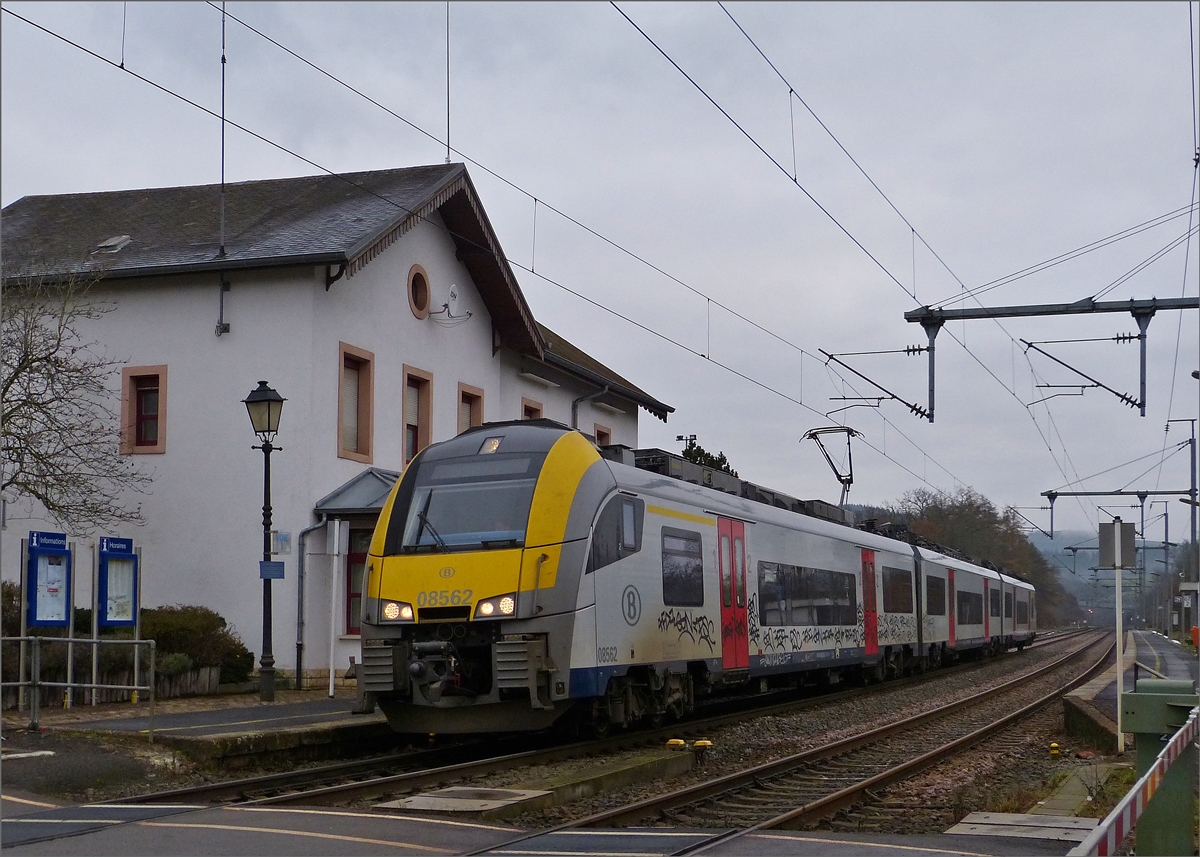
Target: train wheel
{"points": [[598, 724]]}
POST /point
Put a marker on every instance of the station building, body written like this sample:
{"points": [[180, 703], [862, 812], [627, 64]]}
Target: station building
{"points": [[379, 304]]}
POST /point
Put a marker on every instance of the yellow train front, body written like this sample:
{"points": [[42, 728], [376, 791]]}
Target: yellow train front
{"points": [[473, 579]]}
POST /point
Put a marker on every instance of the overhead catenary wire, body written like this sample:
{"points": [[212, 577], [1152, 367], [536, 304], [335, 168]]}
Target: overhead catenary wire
{"points": [[1070, 255], [574, 221], [529, 194], [1049, 446], [262, 138], [964, 293], [1116, 467], [641, 259]]}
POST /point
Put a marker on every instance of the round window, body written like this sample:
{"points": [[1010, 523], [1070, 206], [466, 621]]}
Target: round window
{"points": [[418, 291]]}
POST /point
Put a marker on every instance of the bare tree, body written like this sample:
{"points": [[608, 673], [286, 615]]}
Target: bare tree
{"points": [[59, 414]]}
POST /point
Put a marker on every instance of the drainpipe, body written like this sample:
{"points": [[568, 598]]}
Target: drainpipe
{"points": [[300, 600], [575, 405]]}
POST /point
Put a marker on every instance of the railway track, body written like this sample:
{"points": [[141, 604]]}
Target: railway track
{"points": [[798, 790], [364, 779]]}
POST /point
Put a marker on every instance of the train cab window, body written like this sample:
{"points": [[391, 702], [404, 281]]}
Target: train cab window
{"points": [[1008, 602], [682, 568], [631, 525], [994, 596], [618, 532], [935, 596], [1022, 613], [897, 590], [469, 503]]}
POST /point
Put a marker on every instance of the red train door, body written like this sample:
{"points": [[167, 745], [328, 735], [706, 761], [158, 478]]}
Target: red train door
{"points": [[950, 607], [987, 611], [870, 614], [731, 560]]}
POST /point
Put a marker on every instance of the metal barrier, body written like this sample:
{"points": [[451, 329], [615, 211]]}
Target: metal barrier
{"points": [[35, 683], [1108, 835]]}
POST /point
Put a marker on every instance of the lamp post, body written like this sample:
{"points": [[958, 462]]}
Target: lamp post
{"points": [[264, 406]]}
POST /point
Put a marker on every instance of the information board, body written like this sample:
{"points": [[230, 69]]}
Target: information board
{"points": [[118, 583], [48, 576]]}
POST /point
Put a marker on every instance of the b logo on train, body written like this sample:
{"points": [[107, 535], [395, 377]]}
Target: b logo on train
{"points": [[519, 573]]}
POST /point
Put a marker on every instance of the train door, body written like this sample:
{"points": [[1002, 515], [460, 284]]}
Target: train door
{"points": [[987, 611], [950, 607], [870, 614], [731, 560]]}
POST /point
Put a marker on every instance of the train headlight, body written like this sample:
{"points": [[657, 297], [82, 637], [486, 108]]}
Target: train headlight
{"points": [[497, 607], [397, 611]]}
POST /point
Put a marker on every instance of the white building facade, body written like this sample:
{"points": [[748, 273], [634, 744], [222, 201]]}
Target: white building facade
{"points": [[379, 305]]}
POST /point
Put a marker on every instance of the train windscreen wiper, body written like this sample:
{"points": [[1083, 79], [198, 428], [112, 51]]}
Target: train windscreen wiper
{"points": [[425, 525]]}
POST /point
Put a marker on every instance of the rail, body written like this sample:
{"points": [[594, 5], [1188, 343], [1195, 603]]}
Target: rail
{"points": [[35, 683], [1107, 835]]}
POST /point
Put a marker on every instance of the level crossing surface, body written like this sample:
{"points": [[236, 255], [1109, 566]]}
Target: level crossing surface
{"points": [[102, 830]]}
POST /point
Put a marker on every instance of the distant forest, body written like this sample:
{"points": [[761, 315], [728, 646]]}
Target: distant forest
{"points": [[970, 523]]}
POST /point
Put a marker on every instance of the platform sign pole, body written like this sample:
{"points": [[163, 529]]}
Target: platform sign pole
{"points": [[1118, 543], [24, 674], [95, 621], [137, 629], [69, 695], [1120, 638], [334, 578]]}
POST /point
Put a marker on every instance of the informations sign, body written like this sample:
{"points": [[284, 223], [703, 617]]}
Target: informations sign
{"points": [[48, 573], [118, 579]]}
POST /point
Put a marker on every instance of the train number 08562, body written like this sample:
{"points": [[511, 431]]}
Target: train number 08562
{"points": [[606, 654], [444, 598]]}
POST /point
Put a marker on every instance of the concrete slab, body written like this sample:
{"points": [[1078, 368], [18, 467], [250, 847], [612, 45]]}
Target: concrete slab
{"points": [[590, 779], [461, 799], [1063, 828]]}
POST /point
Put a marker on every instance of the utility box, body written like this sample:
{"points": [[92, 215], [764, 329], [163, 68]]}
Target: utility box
{"points": [[1154, 712]]}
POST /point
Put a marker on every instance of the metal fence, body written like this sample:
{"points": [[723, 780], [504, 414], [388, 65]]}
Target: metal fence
{"points": [[1105, 838], [34, 684]]}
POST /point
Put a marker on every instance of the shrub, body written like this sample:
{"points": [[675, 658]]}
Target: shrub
{"points": [[172, 663], [203, 635]]}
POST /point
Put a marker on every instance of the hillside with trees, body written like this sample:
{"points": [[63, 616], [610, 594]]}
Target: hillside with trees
{"points": [[968, 522]]}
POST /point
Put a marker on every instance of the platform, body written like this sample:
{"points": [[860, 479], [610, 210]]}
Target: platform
{"points": [[1148, 647], [225, 732]]}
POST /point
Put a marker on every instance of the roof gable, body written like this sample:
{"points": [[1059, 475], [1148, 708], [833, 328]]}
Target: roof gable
{"points": [[364, 494]]}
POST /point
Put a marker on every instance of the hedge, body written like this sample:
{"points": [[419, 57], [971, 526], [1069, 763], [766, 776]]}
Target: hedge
{"points": [[185, 636]]}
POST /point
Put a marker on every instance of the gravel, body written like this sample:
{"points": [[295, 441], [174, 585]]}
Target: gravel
{"points": [[758, 740]]}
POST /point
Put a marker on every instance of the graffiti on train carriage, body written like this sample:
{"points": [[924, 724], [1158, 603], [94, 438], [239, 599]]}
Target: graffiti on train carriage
{"points": [[696, 627]]}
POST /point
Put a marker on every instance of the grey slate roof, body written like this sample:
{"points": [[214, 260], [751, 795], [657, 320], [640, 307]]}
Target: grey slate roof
{"points": [[311, 218], [343, 220], [566, 356]]}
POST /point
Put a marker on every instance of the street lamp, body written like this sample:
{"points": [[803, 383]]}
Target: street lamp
{"points": [[264, 406]]}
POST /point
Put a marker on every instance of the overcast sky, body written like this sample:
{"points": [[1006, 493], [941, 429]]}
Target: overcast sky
{"points": [[1004, 134]]}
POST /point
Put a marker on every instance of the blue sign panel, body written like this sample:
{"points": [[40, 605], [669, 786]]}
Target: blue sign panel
{"points": [[270, 570], [117, 591], [110, 545], [48, 581]]}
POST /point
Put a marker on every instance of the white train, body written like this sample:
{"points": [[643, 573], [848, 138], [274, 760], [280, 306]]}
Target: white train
{"points": [[519, 573]]}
